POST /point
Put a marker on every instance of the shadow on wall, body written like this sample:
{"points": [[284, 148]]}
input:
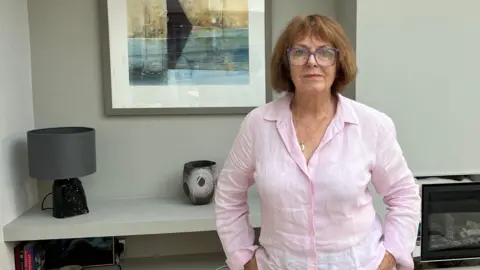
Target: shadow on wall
{"points": [[17, 189]]}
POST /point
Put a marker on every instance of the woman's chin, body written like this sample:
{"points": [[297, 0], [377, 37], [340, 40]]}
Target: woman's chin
{"points": [[314, 88]]}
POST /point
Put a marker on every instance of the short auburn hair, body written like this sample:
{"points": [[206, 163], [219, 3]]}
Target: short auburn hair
{"points": [[320, 27]]}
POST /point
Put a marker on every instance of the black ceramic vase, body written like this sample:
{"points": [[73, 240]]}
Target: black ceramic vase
{"points": [[199, 181]]}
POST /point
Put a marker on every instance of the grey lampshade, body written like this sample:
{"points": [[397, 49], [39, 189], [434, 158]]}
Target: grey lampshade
{"points": [[61, 152]]}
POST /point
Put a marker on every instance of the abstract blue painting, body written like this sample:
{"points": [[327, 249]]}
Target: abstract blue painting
{"points": [[188, 42], [185, 56]]}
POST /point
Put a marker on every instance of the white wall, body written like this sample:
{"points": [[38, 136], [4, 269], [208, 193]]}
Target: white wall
{"points": [[418, 63], [17, 191]]}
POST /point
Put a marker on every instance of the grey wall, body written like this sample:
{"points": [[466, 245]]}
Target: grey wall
{"points": [[137, 156], [17, 191], [346, 14]]}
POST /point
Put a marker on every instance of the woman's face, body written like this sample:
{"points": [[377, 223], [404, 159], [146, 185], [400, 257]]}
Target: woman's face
{"points": [[313, 65]]}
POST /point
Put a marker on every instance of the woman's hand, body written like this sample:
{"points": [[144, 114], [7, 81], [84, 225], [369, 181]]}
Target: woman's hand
{"points": [[251, 265], [388, 262]]}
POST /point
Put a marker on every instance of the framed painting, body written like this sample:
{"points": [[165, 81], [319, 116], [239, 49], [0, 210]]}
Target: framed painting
{"points": [[185, 56]]}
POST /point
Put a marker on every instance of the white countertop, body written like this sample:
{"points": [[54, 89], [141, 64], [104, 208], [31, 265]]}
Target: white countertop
{"points": [[120, 217]]}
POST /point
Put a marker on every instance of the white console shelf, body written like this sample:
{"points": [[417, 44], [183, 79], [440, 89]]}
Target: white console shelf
{"points": [[120, 217], [181, 262], [211, 261]]}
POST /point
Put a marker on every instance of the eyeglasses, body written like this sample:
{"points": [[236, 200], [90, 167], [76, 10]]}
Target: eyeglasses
{"points": [[324, 56]]}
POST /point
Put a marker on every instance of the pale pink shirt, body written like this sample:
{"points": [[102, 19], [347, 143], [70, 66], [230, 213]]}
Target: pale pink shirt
{"points": [[318, 215]]}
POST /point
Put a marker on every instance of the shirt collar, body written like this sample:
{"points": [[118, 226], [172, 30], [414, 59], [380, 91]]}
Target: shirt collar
{"points": [[279, 110]]}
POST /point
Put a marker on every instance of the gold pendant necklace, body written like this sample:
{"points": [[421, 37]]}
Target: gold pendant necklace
{"points": [[302, 145]]}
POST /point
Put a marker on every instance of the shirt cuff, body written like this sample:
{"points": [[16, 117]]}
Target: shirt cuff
{"points": [[404, 259], [239, 258]]}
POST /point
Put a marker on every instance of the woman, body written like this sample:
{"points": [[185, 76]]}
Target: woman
{"points": [[311, 154]]}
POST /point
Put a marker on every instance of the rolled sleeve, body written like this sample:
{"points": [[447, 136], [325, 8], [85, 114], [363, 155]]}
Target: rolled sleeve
{"points": [[395, 182], [231, 200], [239, 258]]}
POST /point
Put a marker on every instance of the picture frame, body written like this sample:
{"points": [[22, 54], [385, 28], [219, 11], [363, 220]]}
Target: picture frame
{"points": [[185, 57]]}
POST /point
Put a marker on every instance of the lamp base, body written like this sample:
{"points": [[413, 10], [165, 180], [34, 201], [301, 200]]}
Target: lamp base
{"points": [[68, 198]]}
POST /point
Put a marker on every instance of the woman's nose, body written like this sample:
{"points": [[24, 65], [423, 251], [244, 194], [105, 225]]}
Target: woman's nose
{"points": [[312, 62]]}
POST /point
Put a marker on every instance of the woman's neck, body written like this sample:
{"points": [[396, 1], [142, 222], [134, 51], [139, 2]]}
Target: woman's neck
{"points": [[314, 105]]}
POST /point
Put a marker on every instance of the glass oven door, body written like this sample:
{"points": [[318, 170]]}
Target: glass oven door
{"points": [[450, 221]]}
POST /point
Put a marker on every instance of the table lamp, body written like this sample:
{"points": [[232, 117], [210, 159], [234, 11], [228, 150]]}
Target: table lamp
{"points": [[63, 154]]}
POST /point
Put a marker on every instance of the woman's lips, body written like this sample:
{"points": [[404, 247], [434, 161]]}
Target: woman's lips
{"points": [[313, 75]]}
